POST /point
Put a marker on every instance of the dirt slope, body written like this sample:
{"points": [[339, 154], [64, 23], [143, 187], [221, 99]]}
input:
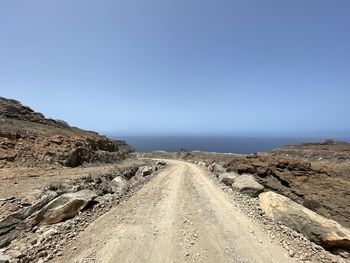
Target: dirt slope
{"points": [[180, 216]]}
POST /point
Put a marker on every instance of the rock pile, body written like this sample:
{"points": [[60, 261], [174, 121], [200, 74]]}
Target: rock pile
{"points": [[245, 183]]}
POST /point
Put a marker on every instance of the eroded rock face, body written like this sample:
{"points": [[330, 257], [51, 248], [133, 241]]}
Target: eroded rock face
{"points": [[64, 207], [228, 178], [119, 185], [28, 138], [246, 184], [324, 193], [317, 228]]}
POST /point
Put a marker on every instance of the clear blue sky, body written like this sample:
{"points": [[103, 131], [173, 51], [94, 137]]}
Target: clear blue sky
{"points": [[168, 67]]}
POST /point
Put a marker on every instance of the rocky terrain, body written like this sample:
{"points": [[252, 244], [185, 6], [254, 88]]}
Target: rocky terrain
{"points": [[313, 177], [212, 222], [39, 231], [52, 173], [29, 139], [329, 155], [328, 150], [69, 195], [315, 188], [316, 175]]}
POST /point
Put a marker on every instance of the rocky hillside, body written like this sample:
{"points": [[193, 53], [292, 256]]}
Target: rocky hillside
{"points": [[29, 139], [320, 190], [328, 150], [330, 155]]}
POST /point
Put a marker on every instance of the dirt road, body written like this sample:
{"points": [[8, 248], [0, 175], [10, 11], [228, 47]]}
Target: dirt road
{"points": [[179, 216]]}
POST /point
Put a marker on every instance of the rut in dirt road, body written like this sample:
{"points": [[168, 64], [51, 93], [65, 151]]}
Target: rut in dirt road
{"points": [[180, 216]]}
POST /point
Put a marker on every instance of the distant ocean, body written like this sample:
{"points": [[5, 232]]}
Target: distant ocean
{"points": [[222, 144]]}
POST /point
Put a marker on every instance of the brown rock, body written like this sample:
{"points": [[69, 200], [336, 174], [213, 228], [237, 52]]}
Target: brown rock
{"points": [[28, 138]]}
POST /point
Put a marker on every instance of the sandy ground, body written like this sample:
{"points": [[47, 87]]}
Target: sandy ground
{"points": [[179, 216]]}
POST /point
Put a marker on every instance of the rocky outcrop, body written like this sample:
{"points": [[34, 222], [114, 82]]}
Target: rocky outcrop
{"points": [[64, 207], [12, 226], [321, 191], [28, 138], [317, 228], [227, 178], [13, 109], [119, 185], [246, 184]]}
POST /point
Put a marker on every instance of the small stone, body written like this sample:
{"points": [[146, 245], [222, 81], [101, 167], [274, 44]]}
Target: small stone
{"points": [[291, 253], [42, 254]]}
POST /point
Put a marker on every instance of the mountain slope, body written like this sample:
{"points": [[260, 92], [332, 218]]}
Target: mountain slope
{"points": [[27, 138]]}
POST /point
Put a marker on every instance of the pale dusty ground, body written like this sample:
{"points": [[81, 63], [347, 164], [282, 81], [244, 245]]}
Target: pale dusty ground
{"points": [[179, 216], [23, 182]]}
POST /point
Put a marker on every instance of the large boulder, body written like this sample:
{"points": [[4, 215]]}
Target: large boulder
{"points": [[145, 170], [64, 207], [228, 178], [160, 164], [247, 184], [119, 185], [201, 163], [217, 169], [317, 228], [13, 225]]}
